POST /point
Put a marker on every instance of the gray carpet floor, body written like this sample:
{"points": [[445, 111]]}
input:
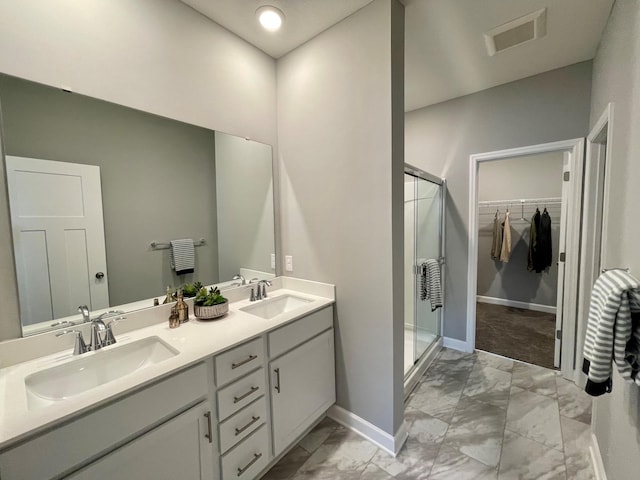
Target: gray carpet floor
{"points": [[516, 333]]}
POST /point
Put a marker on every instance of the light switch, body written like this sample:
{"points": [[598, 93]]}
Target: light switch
{"points": [[288, 263], [273, 261]]}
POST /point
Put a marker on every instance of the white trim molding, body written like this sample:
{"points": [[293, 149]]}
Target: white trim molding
{"points": [[389, 443], [536, 307], [456, 344], [596, 459]]}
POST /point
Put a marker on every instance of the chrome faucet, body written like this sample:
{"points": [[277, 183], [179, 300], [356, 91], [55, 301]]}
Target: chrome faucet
{"points": [[97, 341], [262, 293], [243, 281], [109, 338], [84, 310], [101, 333]]}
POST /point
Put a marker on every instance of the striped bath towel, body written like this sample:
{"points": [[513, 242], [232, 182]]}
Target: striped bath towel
{"points": [[430, 287], [613, 333], [182, 256]]}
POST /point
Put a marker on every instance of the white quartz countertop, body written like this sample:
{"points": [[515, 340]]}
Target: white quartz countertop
{"points": [[195, 340]]}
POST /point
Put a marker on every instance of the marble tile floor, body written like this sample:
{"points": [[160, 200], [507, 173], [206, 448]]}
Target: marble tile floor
{"points": [[473, 416]]}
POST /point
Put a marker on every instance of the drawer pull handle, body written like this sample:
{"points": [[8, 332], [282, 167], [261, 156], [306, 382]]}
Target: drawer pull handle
{"points": [[254, 419], [243, 362], [277, 370], [209, 435], [256, 457], [245, 395]]}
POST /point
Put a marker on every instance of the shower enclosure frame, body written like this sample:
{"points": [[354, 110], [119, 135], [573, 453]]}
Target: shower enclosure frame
{"points": [[414, 373]]}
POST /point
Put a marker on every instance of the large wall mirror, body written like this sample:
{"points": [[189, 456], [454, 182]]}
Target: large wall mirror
{"points": [[75, 164]]}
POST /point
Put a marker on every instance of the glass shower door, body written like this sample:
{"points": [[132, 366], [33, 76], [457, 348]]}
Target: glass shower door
{"points": [[428, 245]]}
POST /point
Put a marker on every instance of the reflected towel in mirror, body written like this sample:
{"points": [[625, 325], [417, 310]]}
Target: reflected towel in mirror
{"points": [[182, 256]]}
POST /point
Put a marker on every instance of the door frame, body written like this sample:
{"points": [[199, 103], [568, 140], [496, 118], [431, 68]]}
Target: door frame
{"points": [[574, 148], [594, 228]]}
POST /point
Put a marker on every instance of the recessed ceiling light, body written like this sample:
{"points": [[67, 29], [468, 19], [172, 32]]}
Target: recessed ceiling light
{"points": [[270, 17]]}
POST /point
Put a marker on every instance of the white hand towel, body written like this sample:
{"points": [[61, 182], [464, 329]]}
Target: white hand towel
{"points": [[182, 256]]}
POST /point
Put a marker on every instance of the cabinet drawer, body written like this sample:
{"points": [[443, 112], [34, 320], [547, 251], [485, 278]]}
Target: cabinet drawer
{"points": [[240, 426], [248, 458], [239, 361], [299, 331], [70, 445], [240, 393]]}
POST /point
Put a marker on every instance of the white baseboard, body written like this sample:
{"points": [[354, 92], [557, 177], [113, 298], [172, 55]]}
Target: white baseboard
{"points": [[456, 344], [391, 444], [513, 303], [596, 459]]}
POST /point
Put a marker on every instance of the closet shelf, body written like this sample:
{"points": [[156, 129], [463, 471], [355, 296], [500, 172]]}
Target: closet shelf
{"points": [[521, 201]]}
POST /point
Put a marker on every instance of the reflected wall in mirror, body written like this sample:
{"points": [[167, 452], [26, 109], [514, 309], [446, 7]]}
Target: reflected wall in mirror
{"points": [[160, 179]]}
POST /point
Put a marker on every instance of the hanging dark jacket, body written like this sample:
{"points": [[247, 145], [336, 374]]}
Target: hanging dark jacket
{"points": [[543, 253], [533, 237]]}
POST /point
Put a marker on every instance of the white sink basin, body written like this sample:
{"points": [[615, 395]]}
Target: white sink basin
{"points": [[86, 372], [272, 307]]}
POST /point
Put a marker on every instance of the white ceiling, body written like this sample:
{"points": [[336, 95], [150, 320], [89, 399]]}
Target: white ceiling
{"points": [[304, 19], [445, 55]]}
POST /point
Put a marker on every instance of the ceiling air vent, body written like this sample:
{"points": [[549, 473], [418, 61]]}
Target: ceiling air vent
{"points": [[516, 32]]}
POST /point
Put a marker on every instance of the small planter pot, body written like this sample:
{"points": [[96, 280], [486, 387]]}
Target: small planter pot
{"points": [[209, 313]]}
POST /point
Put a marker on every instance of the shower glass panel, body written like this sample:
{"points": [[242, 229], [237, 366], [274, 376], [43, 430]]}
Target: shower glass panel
{"points": [[428, 246], [409, 271], [423, 241]]}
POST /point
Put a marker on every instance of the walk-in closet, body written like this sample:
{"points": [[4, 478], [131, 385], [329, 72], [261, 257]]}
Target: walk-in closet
{"points": [[520, 235]]}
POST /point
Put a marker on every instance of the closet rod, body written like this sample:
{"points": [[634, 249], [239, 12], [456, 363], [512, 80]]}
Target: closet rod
{"points": [[522, 201]]}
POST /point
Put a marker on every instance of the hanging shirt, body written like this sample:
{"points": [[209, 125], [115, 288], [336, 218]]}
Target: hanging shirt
{"points": [[496, 243], [543, 241], [533, 235], [505, 252]]}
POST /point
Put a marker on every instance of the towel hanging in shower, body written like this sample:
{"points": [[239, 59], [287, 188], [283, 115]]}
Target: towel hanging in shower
{"points": [[430, 287]]}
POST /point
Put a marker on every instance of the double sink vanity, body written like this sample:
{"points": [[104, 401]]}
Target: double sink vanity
{"points": [[221, 399]]}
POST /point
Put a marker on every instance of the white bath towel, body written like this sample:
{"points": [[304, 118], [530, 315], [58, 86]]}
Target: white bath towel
{"points": [[430, 283], [182, 256]]}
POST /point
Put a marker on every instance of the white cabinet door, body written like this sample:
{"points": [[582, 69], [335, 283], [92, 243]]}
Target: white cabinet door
{"points": [[177, 449], [302, 388]]}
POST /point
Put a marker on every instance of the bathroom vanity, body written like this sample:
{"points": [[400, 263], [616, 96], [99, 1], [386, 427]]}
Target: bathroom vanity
{"points": [[221, 399]]}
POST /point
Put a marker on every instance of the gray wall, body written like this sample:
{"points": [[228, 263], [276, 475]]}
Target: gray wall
{"points": [[163, 58], [439, 139], [340, 141], [533, 176], [158, 178], [616, 78], [244, 189]]}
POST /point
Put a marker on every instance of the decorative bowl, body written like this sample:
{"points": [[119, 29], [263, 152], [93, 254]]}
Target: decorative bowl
{"points": [[210, 312]]}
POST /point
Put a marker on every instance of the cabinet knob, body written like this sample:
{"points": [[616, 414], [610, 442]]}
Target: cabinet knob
{"points": [[100, 275]]}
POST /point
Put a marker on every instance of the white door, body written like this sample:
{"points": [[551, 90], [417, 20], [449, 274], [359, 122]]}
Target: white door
{"points": [[58, 237], [562, 248]]}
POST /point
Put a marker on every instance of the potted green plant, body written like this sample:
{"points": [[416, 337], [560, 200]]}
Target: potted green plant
{"points": [[191, 289], [210, 304]]}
